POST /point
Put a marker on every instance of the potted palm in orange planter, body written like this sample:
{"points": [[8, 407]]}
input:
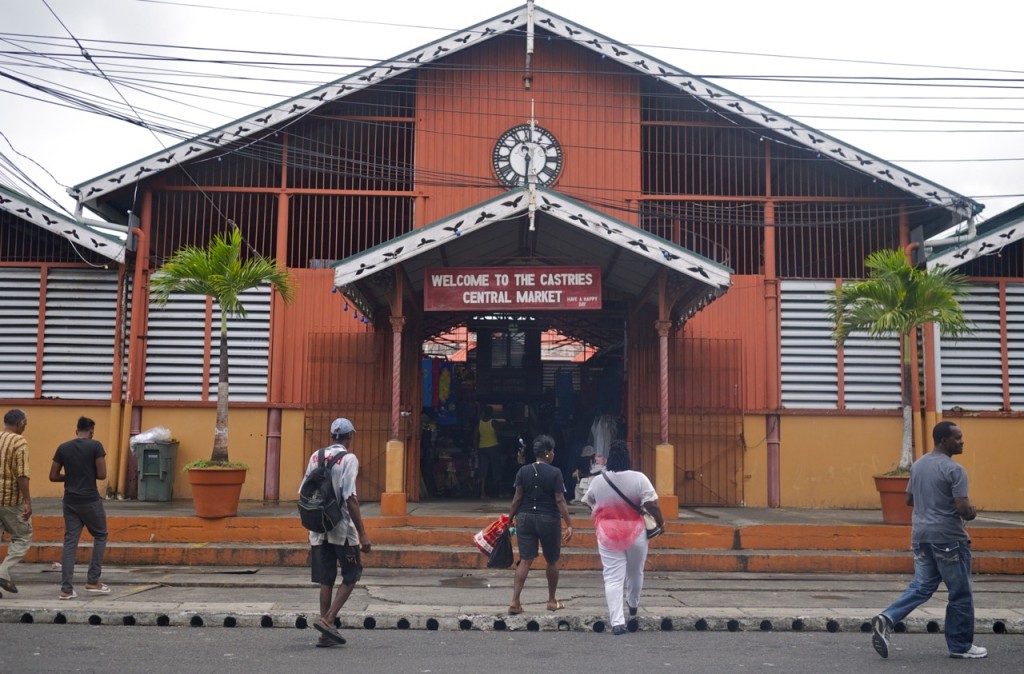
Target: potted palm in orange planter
{"points": [[895, 300], [218, 271]]}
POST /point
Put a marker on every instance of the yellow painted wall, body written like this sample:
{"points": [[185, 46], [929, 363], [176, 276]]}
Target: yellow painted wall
{"points": [[755, 462], [994, 459], [48, 426], [192, 427], [293, 453], [829, 461]]}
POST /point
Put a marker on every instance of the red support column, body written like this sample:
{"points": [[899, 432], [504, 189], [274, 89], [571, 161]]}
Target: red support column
{"points": [[663, 327], [272, 471], [773, 399], [393, 499], [665, 452], [275, 385], [397, 323], [136, 338]]}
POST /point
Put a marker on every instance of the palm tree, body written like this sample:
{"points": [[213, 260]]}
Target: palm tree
{"points": [[896, 299], [218, 271]]}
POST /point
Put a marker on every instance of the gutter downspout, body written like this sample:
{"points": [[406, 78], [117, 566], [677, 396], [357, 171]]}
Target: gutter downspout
{"points": [[136, 340], [114, 482]]}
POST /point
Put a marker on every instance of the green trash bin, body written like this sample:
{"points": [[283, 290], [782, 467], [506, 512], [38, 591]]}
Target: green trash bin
{"points": [[156, 469]]}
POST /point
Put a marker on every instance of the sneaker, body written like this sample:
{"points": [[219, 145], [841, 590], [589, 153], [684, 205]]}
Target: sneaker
{"points": [[618, 630], [974, 652], [881, 634], [632, 609]]}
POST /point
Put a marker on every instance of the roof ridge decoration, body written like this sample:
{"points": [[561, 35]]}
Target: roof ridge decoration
{"points": [[713, 96], [993, 240], [514, 203], [78, 233]]}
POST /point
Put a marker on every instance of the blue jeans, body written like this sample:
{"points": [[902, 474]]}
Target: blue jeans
{"points": [[951, 564]]}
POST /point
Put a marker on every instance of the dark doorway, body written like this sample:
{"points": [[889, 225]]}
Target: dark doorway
{"points": [[534, 379]]}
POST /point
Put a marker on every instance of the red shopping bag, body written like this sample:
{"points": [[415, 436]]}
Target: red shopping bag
{"points": [[485, 538]]}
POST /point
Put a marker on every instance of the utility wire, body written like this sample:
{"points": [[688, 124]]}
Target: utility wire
{"points": [[756, 129], [563, 38]]}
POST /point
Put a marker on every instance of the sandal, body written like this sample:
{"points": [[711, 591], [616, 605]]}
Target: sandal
{"points": [[329, 632], [555, 605], [515, 610]]}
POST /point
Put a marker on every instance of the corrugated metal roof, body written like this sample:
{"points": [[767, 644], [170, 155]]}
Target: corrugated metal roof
{"points": [[716, 98]]}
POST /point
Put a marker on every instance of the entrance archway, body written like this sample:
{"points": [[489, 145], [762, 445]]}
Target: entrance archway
{"points": [[537, 258]]}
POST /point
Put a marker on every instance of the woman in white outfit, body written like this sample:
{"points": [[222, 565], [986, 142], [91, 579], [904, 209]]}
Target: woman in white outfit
{"points": [[621, 538]]}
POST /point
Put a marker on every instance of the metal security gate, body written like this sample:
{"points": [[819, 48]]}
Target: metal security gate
{"points": [[705, 416], [348, 375]]}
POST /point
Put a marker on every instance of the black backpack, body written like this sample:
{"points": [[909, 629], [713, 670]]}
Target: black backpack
{"points": [[319, 509]]}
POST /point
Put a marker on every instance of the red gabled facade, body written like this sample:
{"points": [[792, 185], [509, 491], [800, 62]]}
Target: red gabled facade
{"points": [[331, 174]]}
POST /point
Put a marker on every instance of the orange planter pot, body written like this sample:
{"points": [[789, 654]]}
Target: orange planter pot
{"points": [[216, 491], [892, 489]]}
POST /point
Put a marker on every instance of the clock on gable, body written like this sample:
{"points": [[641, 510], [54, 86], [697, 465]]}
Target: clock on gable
{"points": [[522, 149]]}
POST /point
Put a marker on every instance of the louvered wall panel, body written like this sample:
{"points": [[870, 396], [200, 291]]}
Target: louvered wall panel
{"points": [[78, 348], [809, 362], [175, 349], [871, 372], [248, 349], [972, 369], [18, 340], [1015, 335]]}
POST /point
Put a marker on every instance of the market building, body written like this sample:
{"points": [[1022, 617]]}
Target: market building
{"points": [[527, 215]]}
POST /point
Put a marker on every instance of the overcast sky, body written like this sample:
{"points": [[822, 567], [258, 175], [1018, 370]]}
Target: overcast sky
{"points": [[967, 134]]}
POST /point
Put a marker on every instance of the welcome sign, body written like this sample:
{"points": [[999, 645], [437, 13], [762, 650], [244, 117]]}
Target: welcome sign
{"points": [[511, 288]]}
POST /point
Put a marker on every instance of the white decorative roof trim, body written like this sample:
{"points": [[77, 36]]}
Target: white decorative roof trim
{"points": [[735, 104], [80, 234], [988, 243], [712, 95], [514, 203], [298, 106]]}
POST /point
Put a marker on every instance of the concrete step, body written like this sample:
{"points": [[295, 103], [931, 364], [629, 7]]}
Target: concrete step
{"points": [[458, 532], [437, 542], [574, 557]]}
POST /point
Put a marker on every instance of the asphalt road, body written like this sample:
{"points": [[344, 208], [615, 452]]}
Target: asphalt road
{"points": [[40, 648]]}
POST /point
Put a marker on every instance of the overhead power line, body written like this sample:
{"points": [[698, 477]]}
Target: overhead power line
{"points": [[134, 71]]}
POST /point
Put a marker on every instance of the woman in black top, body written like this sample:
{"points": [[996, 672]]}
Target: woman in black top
{"points": [[538, 503]]}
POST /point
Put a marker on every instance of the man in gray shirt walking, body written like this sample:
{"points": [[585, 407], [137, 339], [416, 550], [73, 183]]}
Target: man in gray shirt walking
{"points": [[942, 549]]}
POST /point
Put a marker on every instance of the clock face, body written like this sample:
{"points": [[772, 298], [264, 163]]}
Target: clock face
{"points": [[521, 151]]}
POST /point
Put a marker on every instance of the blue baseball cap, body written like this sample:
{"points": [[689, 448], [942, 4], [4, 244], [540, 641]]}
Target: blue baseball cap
{"points": [[341, 427]]}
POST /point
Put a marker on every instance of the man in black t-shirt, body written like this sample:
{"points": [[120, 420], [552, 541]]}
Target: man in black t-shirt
{"points": [[83, 461]]}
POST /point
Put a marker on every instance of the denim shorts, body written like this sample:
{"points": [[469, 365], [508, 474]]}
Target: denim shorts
{"points": [[533, 527], [325, 558]]}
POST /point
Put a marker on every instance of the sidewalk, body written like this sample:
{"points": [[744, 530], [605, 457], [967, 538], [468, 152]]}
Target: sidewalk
{"points": [[456, 599], [688, 584]]}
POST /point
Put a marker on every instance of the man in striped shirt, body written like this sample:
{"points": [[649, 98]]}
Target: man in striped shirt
{"points": [[15, 502]]}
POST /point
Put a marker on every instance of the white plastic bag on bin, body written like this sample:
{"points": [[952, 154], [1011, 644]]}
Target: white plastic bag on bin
{"points": [[155, 434]]}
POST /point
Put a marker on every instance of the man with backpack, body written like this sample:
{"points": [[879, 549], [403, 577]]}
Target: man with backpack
{"points": [[342, 544]]}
